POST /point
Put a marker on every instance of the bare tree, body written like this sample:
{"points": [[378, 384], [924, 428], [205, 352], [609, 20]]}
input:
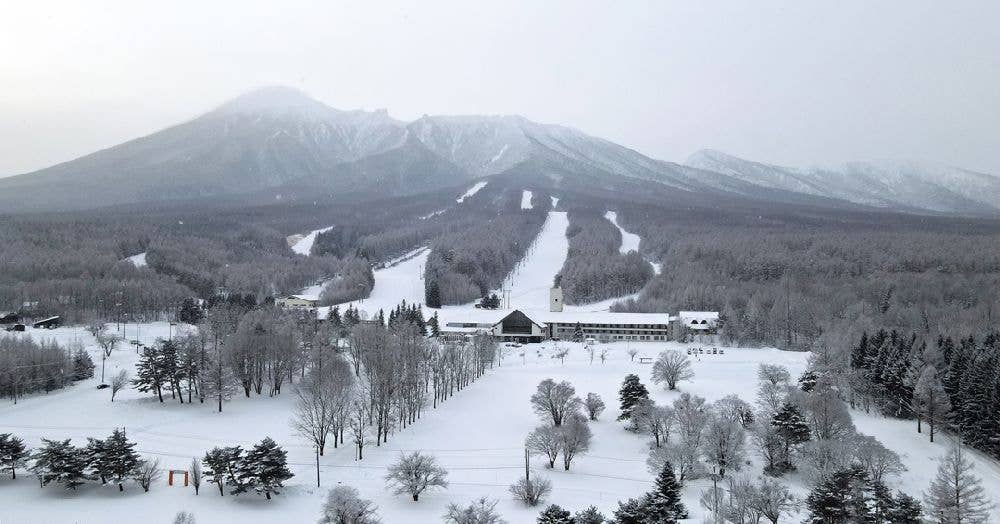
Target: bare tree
{"points": [[772, 390], [414, 473], [930, 399], [531, 491], [318, 398], [877, 460], [772, 499], [632, 353], [684, 460], [956, 495], [575, 436], [146, 473], [118, 382], [545, 440], [184, 517], [482, 511], [670, 368], [594, 405], [555, 400], [107, 341], [344, 506], [656, 420], [196, 475], [724, 444]]}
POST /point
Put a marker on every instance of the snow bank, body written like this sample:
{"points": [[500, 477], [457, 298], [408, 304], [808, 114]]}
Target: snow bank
{"points": [[305, 244], [138, 260], [472, 191], [526, 199]]}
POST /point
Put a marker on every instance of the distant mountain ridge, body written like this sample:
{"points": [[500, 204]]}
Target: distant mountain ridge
{"points": [[279, 143]]}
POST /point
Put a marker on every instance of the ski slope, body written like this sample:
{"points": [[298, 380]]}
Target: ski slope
{"points": [[630, 241], [528, 284], [526, 199], [472, 191], [394, 284], [304, 245]]}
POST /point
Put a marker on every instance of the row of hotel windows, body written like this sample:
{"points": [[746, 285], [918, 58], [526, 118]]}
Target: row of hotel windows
{"points": [[618, 326], [566, 332]]}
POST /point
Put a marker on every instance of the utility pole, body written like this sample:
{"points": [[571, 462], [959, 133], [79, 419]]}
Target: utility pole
{"points": [[317, 465], [527, 471]]}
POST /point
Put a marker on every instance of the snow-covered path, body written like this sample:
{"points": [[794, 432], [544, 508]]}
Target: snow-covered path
{"points": [[531, 279], [526, 199], [472, 191], [630, 241], [304, 245], [402, 281]]}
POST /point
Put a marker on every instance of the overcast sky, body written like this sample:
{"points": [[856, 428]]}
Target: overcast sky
{"points": [[797, 83]]}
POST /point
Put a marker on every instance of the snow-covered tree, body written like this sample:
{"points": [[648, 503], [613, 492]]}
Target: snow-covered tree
{"points": [[60, 462], [930, 399], [531, 491], [771, 499], [146, 472], [791, 427], [196, 475], [574, 437], [321, 401], [555, 400], [653, 419], [664, 502], [545, 440], [956, 495], [264, 468], [594, 405], [877, 460], [724, 444], [685, 460], [13, 454], [414, 473], [117, 460], [481, 511], [589, 516], [184, 517], [222, 465], [670, 368], [631, 392], [344, 505], [118, 382], [555, 515]]}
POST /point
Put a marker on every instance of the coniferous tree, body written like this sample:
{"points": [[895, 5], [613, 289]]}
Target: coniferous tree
{"points": [[13, 454], [222, 466], [83, 365], [264, 469], [589, 516], [120, 458], [631, 394], [434, 325], [930, 399], [149, 373], [555, 515], [664, 503], [905, 510], [60, 462], [433, 295], [792, 429]]}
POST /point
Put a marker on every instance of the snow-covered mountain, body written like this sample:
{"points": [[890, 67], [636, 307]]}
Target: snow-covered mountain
{"points": [[891, 184], [278, 143]]}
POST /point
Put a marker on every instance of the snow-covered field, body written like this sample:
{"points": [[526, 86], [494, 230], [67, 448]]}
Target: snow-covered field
{"points": [[477, 435], [303, 245]]}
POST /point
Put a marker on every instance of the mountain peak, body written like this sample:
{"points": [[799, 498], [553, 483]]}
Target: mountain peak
{"points": [[276, 100]]}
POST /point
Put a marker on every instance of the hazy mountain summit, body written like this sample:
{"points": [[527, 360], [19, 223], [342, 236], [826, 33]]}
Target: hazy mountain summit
{"points": [[280, 143]]}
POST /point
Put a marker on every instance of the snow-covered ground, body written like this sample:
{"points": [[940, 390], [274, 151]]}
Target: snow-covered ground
{"points": [[401, 281], [138, 260], [529, 283], [303, 246], [477, 435], [472, 191], [630, 241], [526, 199]]}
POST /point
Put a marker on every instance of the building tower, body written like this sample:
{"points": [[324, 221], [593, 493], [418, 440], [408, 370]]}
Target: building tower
{"points": [[556, 299]]}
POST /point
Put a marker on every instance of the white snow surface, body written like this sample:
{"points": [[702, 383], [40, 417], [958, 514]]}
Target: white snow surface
{"points": [[304, 245], [472, 191], [403, 280], [630, 241], [138, 260], [526, 199], [555, 201], [477, 435], [531, 279]]}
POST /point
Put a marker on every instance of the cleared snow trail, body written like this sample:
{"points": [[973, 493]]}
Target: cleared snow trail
{"points": [[394, 284], [630, 241], [526, 199], [531, 279], [472, 191], [304, 245]]}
